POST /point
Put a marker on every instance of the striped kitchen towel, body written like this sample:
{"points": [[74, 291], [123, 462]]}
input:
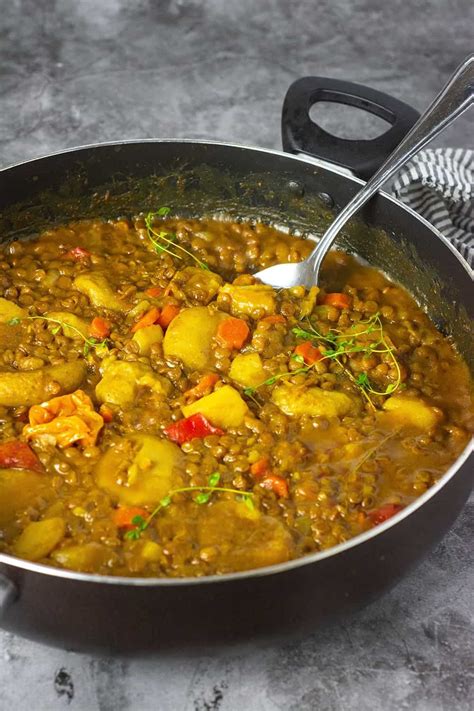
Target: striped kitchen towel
{"points": [[438, 184]]}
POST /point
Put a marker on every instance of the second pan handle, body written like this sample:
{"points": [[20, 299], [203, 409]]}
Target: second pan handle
{"points": [[300, 134]]}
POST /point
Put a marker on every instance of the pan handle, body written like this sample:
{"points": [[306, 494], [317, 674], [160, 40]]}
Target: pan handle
{"points": [[300, 134]]}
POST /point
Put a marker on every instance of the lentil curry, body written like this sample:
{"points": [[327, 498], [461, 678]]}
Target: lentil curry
{"points": [[164, 414]]}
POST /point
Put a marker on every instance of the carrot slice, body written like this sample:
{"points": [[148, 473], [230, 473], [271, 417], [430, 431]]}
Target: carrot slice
{"points": [[170, 311], [233, 332], [340, 301], [100, 327], [308, 352], [147, 319], [276, 318], [154, 291], [203, 387], [124, 515], [260, 467], [276, 484]]}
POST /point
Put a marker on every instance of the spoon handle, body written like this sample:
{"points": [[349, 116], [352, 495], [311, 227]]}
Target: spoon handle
{"points": [[451, 102]]}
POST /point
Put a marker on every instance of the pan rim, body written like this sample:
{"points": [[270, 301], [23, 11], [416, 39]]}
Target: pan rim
{"points": [[266, 571], [280, 568], [299, 157]]}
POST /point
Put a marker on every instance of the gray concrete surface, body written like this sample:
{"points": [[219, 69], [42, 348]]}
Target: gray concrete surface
{"points": [[76, 72]]}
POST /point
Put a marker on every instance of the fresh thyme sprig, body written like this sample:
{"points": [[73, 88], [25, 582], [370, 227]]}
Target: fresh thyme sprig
{"points": [[335, 345], [204, 494], [160, 239], [250, 391], [100, 346], [372, 451]]}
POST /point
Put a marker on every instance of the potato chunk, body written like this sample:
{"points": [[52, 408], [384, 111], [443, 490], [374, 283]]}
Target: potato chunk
{"points": [[189, 336], [98, 290], [315, 402], [34, 386], [9, 310], [38, 539], [85, 558], [146, 337], [140, 469], [67, 318], [247, 370], [120, 380], [412, 411], [243, 539], [223, 408], [254, 300], [309, 302]]}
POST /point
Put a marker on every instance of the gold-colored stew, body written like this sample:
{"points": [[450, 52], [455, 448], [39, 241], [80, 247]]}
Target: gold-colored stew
{"points": [[164, 414]]}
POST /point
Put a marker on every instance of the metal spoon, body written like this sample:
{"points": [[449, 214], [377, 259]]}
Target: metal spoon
{"points": [[451, 102]]}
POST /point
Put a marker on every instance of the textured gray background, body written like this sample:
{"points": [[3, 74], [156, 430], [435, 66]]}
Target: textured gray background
{"points": [[82, 71]]}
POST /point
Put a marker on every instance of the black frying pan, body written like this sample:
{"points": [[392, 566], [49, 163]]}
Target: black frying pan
{"points": [[87, 611]]}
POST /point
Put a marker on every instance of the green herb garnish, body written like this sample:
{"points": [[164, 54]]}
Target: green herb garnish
{"points": [[165, 242], [372, 451], [91, 343], [204, 493], [336, 344]]}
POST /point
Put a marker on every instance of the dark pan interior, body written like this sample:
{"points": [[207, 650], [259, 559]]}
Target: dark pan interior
{"points": [[197, 179]]}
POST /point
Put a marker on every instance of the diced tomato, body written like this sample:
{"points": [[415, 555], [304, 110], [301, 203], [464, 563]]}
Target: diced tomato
{"points": [[124, 515], [78, 253], [276, 484], [308, 352], [100, 327], [383, 513], [260, 467], [203, 387], [154, 291], [233, 332], [339, 300], [18, 455], [170, 311], [147, 319], [191, 427]]}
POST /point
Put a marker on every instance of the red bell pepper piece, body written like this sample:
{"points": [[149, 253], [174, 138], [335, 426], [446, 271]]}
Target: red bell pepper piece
{"points": [[383, 513], [18, 455], [191, 427], [78, 253]]}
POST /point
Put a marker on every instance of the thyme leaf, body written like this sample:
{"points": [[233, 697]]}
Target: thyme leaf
{"points": [[89, 343], [336, 344], [203, 495], [372, 451], [165, 242]]}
